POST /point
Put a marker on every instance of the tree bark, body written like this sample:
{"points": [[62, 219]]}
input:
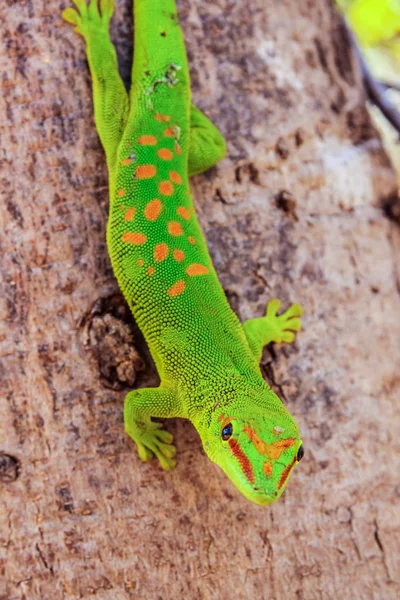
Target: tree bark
{"points": [[294, 211]]}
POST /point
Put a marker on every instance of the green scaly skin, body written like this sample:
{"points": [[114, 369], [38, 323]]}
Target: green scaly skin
{"points": [[208, 362]]}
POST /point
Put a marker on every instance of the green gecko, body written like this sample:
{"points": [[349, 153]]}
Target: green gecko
{"points": [[208, 362]]}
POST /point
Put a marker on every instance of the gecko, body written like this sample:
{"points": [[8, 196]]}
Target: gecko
{"points": [[154, 139]]}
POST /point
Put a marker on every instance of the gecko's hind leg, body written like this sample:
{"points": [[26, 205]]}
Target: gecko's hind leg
{"points": [[207, 146], [111, 104], [272, 327]]}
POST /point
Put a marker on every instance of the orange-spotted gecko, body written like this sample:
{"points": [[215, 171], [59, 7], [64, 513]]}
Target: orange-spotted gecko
{"points": [[208, 362]]}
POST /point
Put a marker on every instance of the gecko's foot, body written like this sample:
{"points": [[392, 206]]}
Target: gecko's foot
{"points": [[283, 326], [155, 441], [89, 18]]}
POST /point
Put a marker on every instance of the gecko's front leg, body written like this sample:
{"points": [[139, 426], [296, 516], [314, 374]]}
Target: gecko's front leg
{"points": [[273, 327], [111, 103]]}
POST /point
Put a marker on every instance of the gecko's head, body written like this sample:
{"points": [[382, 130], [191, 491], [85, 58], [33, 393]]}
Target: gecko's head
{"points": [[257, 448]]}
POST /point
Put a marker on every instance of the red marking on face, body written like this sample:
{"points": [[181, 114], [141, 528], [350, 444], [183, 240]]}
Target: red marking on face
{"points": [[221, 417], [169, 132], [286, 473], [275, 449], [267, 468], [121, 193], [255, 439], [244, 462]]}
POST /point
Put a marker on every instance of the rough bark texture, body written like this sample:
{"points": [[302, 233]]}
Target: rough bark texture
{"points": [[294, 211]]}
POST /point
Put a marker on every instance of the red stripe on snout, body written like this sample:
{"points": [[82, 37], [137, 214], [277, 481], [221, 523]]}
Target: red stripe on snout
{"points": [[243, 460]]}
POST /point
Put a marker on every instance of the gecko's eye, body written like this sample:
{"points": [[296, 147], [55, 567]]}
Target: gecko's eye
{"points": [[300, 453], [227, 432]]}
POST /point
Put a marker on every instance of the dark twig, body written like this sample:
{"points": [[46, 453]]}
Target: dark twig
{"points": [[375, 89], [388, 85]]}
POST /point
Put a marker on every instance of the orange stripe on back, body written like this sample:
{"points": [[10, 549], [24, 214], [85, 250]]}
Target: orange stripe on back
{"points": [[176, 178], [153, 209], [177, 288], [130, 213], [183, 212], [196, 269], [162, 118], [175, 228], [165, 154], [145, 171], [137, 239], [165, 188], [160, 252], [179, 255], [147, 140]]}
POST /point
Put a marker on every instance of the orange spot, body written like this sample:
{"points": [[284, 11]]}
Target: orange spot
{"points": [[221, 417], [145, 171], [150, 271], [162, 118], [130, 213], [177, 288], [121, 193], [140, 262], [275, 449], [137, 239], [160, 252], [147, 140], [169, 132], [178, 149], [267, 468], [165, 154], [176, 178], [196, 269], [244, 462], [153, 209], [183, 212], [125, 162], [166, 188], [191, 240], [179, 255], [122, 207], [175, 228], [260, 445]]}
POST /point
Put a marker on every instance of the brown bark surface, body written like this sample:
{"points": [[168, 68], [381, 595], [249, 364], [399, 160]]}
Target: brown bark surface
{"points": [[294, 211]]}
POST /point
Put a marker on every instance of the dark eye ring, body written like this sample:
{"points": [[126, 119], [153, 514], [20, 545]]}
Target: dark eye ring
{"points": [[300, 453], [227, 432]]}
